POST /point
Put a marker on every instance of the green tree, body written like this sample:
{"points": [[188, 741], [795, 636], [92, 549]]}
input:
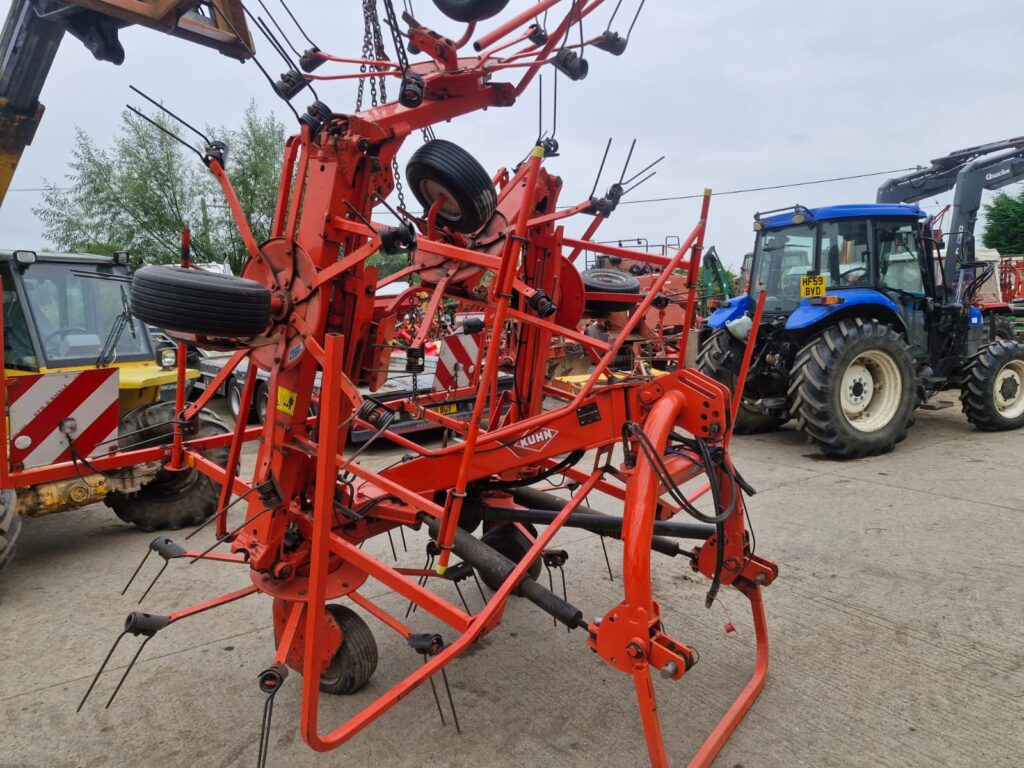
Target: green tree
{"points": [[141, 192], [1004, 224]]}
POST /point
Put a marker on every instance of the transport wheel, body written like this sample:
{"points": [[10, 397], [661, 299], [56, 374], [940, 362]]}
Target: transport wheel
{"points": [[609, 281], [1003, 329], [355, 661], [261, 401], [171, 500], [721, 356], [510, 542], [10, 526], [206, 303], [853, 390], [442, 168], [992, 390], [470, 10]]}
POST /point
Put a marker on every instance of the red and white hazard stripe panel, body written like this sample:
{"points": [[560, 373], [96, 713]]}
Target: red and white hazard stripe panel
{"points": [[39, 404], [456, 361]]}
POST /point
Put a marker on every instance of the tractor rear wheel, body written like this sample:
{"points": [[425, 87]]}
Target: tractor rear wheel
{"points": [[992, 390], [171, 500], [1003, 329], [853, 389], [355, 661], [10, 526], [720, 358]]}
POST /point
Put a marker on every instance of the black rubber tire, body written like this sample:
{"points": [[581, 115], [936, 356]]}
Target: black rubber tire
{"points": [[171, 500], [470, 10], [609, 281], [816, 379], [510, 542], [204, 303], [261, 402], [448, 168], [977, 389], [10, 526], [1003, 329], [355, 661], [720, 357]]}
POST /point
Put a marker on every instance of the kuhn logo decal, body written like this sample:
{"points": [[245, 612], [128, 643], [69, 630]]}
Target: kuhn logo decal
{"points": [[535, 441]]}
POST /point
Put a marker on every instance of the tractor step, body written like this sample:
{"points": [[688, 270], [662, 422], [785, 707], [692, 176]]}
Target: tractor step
{"points": [[938, 405]]}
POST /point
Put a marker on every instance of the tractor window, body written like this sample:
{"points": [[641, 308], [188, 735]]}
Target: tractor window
{"points": [[75, 313], [898, 264], [18, 349], [781, 258], [845, 253]]}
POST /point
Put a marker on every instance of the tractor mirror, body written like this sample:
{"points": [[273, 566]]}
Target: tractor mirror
{"points": [[25, 257]]}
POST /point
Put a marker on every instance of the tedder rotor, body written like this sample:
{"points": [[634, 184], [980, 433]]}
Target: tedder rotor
{"points": [[304, 311]]}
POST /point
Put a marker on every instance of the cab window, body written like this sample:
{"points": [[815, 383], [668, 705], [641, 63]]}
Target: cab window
{"points": [[845, 253], [18, 349], [898, 265]]}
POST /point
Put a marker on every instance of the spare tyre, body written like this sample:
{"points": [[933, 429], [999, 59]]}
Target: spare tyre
{"points": [[609, 281], [204, 303], [442, 168], [470, 10]]}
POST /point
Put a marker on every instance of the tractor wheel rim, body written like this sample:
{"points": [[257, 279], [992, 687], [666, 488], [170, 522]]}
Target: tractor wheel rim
{"points": [[1008, 391], [871, 391]]}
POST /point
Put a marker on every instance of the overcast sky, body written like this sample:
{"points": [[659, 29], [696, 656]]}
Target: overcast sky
{"points": [[735, 95]]}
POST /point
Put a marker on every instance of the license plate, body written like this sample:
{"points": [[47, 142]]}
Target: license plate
{"points": [[446, 409], [812, 286]]}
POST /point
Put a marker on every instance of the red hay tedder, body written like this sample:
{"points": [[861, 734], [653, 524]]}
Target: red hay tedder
{"points": [[304, 311]]}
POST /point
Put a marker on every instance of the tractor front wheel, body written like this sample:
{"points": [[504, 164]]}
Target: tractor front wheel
{"points": [[992, 390], [853, 389], [720, 358], [172, 499]]}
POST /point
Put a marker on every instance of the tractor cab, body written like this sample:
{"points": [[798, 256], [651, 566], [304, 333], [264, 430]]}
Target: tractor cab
{"points": [[69, 312]]}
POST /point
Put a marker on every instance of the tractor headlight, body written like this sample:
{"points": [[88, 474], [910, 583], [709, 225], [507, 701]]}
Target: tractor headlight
{"points": [[167, 357]]}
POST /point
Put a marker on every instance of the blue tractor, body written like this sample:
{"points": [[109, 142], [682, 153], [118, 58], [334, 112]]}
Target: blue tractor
{"points": [[863, 322]]}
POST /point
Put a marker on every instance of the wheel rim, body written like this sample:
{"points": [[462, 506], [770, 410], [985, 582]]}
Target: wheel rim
{"points": [[432, 190], [234, 401], [871, 391], [262, 405], [1008, 392]]}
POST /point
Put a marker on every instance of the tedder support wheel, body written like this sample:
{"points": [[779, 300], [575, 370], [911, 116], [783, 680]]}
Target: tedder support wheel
{"points": [[609, 281], [355, 661], [442, 168], [992, 390], [206, 303], [721, 356], [10, 525], [852, 389], [470, 10], [171, 499], [509, 541]]}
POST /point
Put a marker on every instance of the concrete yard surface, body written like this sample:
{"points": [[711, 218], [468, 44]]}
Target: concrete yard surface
{"points": [[896, 630]]}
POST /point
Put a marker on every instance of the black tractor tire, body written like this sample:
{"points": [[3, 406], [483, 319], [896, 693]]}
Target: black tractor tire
{"points": [[510, 542], [816, 389], [355, 661], [992, 389], [720, 357], [171, 500], [609, 281], [10, 526], [470, 10], [441, 167], [1003, 329], [205, 303]]}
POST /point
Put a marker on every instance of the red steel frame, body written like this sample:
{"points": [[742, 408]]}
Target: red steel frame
{"points": [[322, 305]]}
